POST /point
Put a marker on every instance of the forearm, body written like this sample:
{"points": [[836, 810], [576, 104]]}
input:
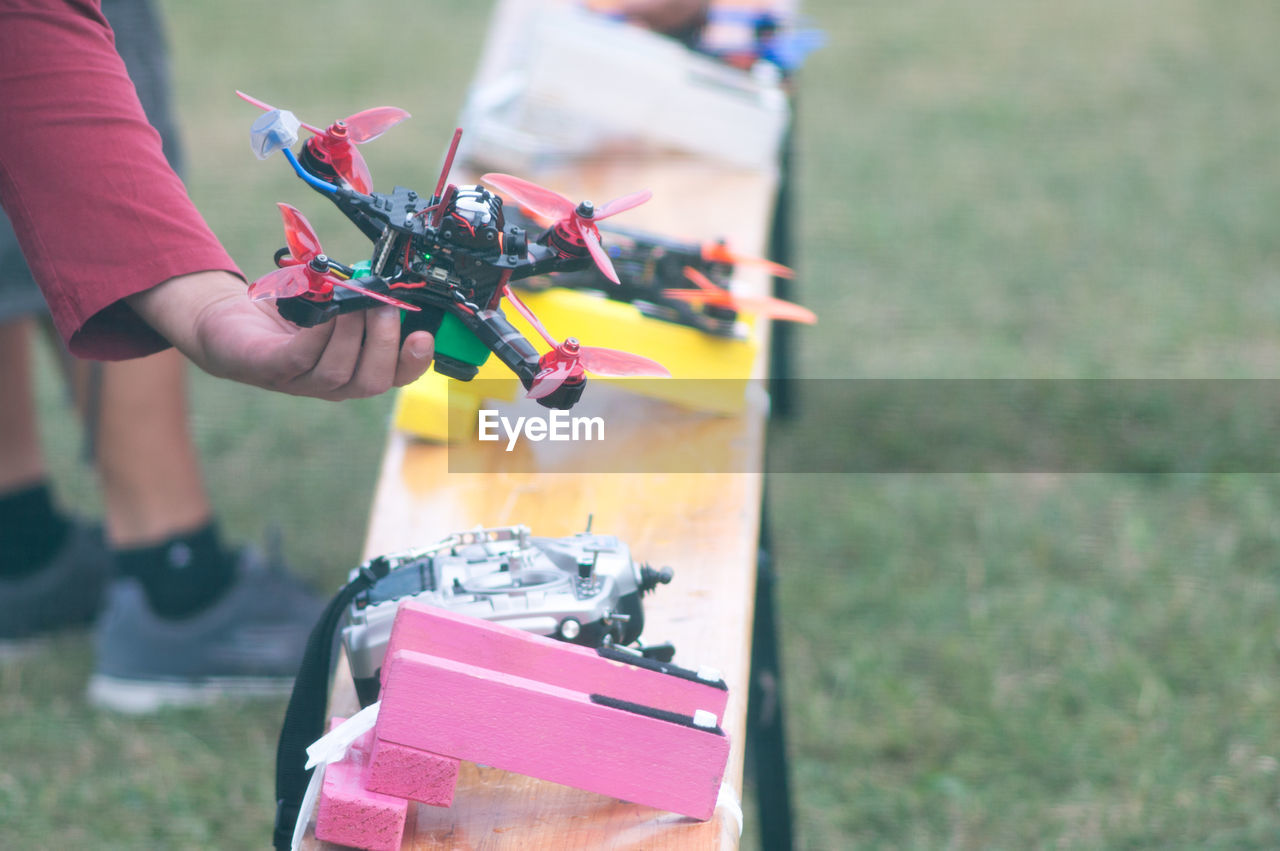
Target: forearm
{"points": [[98, 211]]}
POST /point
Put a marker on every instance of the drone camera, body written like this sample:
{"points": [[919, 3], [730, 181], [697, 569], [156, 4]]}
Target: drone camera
{"points": [[476, 214]]}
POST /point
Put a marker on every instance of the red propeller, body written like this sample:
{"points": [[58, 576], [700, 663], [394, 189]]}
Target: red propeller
{"points": [[336, 145], [766, 306], [578, 221], [719, 252], [566, 361], [307, 271]]}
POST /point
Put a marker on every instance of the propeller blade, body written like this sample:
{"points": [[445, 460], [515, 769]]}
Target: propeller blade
{"points": [[540, 200], [369, 124], [765, 306], [617, 364], [592, 238], [353, 169], [523, 310], [774, 308], [703, 282], [280, 283], [777, 270], [549, 380], [620, 205], [395, 302], [720, 299], [300, 236], [718, 252]]}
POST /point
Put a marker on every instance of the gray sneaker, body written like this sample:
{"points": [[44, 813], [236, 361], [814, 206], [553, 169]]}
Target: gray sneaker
{"points": [[65, 593], [247, 644]]}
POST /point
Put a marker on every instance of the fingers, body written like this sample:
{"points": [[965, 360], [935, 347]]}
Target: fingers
{"points": [[363, 357], [415, 356], [224, 333], [336, 365], [376, 367]]}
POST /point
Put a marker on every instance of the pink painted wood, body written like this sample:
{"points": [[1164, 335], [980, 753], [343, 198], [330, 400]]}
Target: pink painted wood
{"points": [[412, 773], [549, 732], [501, 648], [349, 814]]}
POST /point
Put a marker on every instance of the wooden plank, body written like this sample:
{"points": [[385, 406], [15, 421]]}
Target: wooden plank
{"points": [[350, 814], [557, 734], [507, 650], [704, 525]]}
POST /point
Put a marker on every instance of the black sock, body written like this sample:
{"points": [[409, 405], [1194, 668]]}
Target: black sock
{"points": [[31, 531], [183, 574]]}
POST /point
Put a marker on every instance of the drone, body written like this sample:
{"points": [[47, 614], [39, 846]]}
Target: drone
{"points": [[686, 283], [448, 260]]}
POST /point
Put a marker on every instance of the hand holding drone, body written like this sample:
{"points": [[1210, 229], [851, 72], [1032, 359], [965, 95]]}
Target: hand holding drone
{"points": [[448, 259]]}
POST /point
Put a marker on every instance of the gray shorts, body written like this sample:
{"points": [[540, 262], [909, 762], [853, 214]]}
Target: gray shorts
{"points": [[141, 43]]}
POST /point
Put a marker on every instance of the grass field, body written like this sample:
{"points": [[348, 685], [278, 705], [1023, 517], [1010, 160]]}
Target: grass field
{"points": [[1074, 191]]}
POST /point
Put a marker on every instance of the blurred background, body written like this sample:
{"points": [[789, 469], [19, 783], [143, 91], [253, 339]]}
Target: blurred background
{"points": [[984, 190]]}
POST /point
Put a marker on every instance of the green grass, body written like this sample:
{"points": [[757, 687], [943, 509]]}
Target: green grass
{"points": [[1080, 190], [1034, 660]]}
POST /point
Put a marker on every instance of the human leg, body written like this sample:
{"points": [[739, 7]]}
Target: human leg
{"points": [[187, 620], [159, 521], [21, 458], [148, 463], [52, 570]]}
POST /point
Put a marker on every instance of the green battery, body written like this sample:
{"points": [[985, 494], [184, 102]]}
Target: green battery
{"points": [[453, 338]]}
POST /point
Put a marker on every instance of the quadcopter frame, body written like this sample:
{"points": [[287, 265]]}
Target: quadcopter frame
{"points": [[447, 258]]}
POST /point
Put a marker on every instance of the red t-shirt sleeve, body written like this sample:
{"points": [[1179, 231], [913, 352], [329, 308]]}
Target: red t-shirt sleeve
{"points": [[98, 212]]}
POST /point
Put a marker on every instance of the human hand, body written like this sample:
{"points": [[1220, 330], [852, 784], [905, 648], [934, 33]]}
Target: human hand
{"points": [[209, 318]]}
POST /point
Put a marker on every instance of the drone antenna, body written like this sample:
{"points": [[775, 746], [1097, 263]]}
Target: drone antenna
{"points": [[448, 163], [590, 517]]}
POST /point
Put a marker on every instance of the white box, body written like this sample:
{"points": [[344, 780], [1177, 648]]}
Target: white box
{"points": [[559, 83]]}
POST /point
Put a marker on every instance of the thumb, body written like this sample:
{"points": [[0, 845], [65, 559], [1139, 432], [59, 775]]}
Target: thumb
{"points": [[415, 356]]}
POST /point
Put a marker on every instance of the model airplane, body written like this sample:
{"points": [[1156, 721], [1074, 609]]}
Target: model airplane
{"points": [[447, 259]]}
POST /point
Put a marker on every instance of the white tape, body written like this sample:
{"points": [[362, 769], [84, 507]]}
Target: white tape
{"points": [[728, 799], [330, 748], [333, 746], [308, 806]]}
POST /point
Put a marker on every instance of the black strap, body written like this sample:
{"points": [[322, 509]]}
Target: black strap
{"points": [[304, 720], [630, 657]]}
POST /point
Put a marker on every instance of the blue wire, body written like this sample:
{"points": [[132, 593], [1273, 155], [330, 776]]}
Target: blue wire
{"points": [[306, 175]]}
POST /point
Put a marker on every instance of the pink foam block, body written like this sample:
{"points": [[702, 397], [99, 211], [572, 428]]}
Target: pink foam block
{"points": [[501, 648], [407, 772], [349, 814], [549, 732]]}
